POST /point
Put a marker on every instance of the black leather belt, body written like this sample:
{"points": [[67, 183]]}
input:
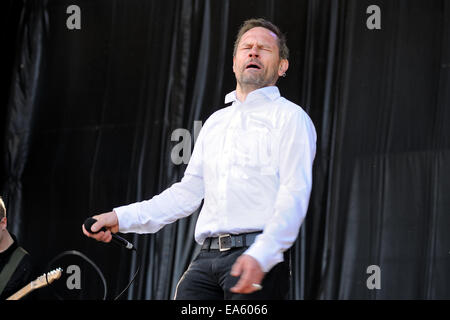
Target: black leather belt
{"points": [[225, 242]]}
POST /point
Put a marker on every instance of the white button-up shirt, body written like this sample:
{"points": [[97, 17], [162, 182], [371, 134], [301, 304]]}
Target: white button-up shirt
{"points": [[252, 165]]}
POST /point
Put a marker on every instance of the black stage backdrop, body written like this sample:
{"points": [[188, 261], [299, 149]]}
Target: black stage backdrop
{"points": [[87, 117]]}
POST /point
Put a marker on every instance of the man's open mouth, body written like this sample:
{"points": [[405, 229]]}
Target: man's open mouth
{"points": [[252, 65]]}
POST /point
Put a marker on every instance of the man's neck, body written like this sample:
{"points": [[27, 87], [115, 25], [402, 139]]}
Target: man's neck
{"points": [[6, 241], [242, 93]]}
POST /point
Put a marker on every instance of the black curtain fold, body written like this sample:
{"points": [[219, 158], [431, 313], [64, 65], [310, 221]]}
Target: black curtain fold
{"points": [[385, 123], [21, 106]]}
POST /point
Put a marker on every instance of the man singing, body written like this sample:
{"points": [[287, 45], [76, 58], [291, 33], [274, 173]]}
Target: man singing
{"points": [[252, 165]]}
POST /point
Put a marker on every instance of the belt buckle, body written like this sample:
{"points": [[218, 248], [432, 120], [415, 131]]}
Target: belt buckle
{"points": [[220, 242]]}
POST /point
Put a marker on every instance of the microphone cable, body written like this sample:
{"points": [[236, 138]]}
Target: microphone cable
{"points": [[138, 262], [97, 269], [121, 242], [77, 253]]}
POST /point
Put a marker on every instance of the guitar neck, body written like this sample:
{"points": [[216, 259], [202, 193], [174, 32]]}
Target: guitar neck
{"points": [[40, 282], [21, 293]]}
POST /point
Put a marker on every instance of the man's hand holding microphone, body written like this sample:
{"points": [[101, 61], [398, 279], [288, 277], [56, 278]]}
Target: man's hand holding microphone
{"points": [[103, 228]]}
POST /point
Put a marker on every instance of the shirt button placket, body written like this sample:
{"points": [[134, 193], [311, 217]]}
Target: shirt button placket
{"points": [[225, 167]]}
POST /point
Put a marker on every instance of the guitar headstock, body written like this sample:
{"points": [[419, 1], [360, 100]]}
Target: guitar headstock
{"points": [[42, 280]]}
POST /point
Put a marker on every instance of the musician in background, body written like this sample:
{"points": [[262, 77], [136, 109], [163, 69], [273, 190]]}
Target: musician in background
{"points": [[16, 269]]}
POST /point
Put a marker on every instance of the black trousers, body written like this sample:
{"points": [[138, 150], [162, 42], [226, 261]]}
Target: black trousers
{"points": [[208, 278]]}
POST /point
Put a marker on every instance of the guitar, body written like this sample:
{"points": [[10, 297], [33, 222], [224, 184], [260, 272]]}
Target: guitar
{"points": [[40, 282]]}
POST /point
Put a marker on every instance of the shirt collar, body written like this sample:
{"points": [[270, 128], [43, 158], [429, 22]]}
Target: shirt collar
{"points": [[271, 93]]}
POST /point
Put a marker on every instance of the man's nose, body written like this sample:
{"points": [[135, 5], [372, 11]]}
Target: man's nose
{"points": [[254, 52]]}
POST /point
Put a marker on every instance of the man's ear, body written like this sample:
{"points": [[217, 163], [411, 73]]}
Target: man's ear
{"points": [[234, 61], [284, 65], [3, 223]]}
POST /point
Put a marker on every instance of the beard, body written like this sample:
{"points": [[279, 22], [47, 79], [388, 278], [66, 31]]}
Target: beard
{"points": [[256, 79]]}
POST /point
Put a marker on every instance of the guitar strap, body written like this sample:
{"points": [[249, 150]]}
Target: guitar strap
{"points": [[11, 266]]}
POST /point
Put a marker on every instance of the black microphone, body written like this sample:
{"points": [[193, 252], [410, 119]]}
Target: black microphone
{"points": [[115, 238]]}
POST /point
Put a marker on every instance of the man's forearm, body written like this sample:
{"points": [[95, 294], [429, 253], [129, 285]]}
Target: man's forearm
{"points": [[149, 216]]}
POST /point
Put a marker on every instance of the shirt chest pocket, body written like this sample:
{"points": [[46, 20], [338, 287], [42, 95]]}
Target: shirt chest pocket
{"points": [[255, 148]]}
